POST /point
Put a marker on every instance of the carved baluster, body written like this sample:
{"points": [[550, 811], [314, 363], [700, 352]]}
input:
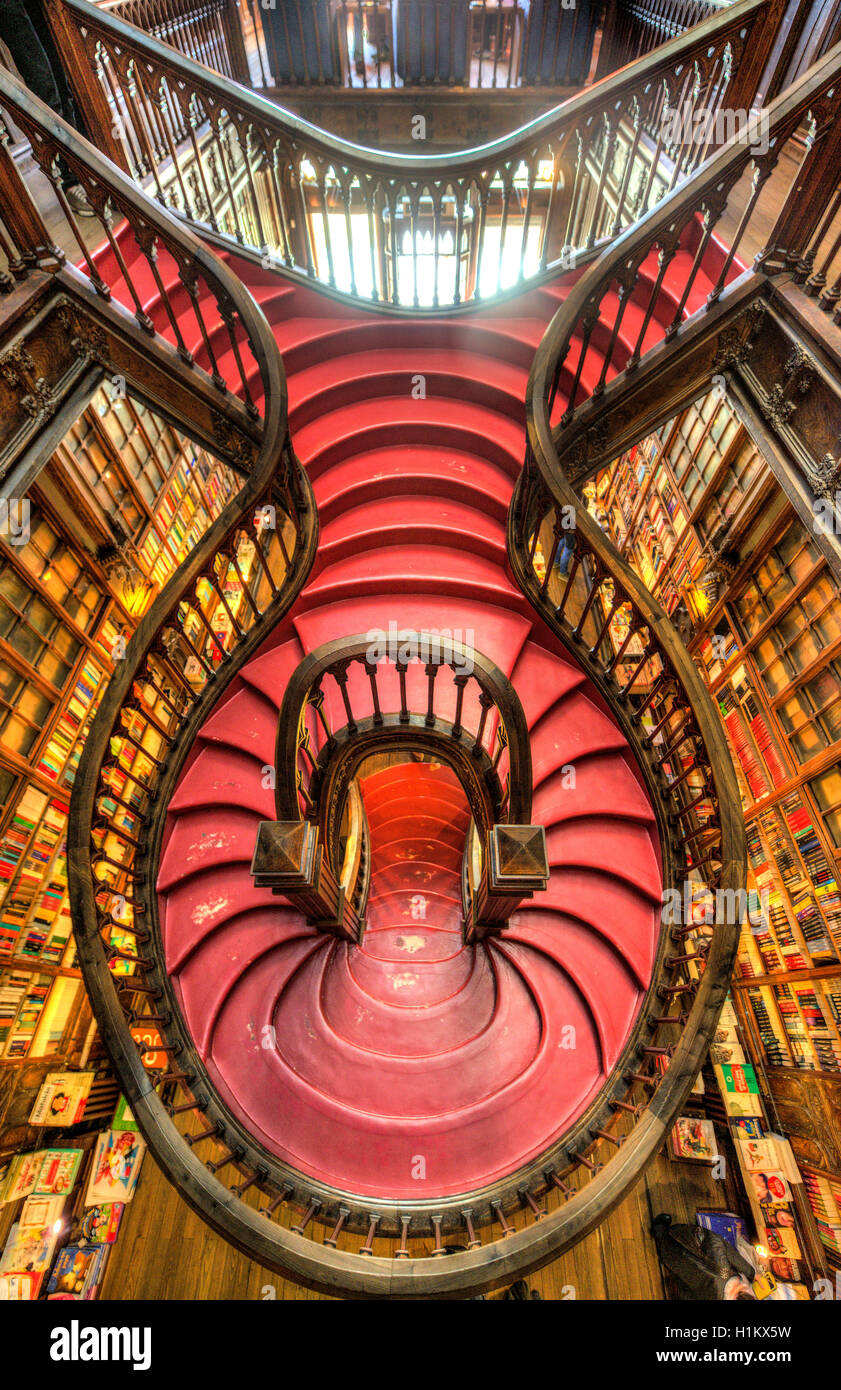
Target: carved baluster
{"points": [[552, 1177], [314, 1206], [332, 1239], [373, 1223], [402, 1251], [371, 672], [525, 1196], [473, 1242], [259, 1176], [214, 1131], [616, 1139], [486, 704], [496, 1208], [459, 682], [340, 675], [285, 1193]]}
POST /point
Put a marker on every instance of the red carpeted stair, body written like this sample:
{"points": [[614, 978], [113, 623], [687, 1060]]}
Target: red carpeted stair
{"points": [[412, 1066]]}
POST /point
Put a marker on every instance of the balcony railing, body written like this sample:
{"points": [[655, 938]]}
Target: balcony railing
{"points": [[425, 232], [378, 44], [635, 27], [361, 695]]}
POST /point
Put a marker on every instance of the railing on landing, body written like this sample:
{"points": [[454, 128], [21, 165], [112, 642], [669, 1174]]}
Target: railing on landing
{"points": [[411, 691], [409, 230], [635, 27], [377, 44]]}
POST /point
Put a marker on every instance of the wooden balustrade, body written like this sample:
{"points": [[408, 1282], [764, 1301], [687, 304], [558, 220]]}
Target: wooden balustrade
{"points": [[376, 43], [635, 27], [208, 31], [418, 231], [354, 695]]}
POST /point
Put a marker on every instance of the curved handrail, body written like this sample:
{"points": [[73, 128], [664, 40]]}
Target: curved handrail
{"points": [[478, 711], [269, 182]]}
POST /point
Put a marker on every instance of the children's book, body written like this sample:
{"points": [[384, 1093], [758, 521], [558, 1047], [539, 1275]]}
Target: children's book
{"points": [[757, 1155], [770, 1153], [769, 1187], [22, 1175], [694, 1139], [18, 1288], [62, 1098], [58, 1171], [724, 1223], [28, 1250], [746, 1127], [782, 1243], [115, 1168], [77, 1271], [739, 1089], [99, 1225], [778, 1214], [41, 1211]]}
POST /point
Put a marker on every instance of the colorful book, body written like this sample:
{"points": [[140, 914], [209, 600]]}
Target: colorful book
{"points": [[724, 1223], [99, 1225], [22, 1176], [77, 1271], [115, 1168], [693, 1139], [62, 1098], [58, 1171]]}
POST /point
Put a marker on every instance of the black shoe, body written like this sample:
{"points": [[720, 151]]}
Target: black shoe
{"points": [[661, 1222], [518, 1290]]}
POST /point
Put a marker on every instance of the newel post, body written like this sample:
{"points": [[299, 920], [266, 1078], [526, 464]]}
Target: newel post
{"points": [[515, 866], [81, 65], [23, 220], [807, 202], [289, 859]]}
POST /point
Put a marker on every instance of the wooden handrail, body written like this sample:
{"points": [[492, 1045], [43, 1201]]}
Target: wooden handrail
{"points": [[504, 736], [271, 184]]}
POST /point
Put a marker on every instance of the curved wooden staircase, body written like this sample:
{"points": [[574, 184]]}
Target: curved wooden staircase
{"points": [[343, 1081]]}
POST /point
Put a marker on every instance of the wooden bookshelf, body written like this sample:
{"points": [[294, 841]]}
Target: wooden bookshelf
{"points": [[767, 636], [116, 510]]}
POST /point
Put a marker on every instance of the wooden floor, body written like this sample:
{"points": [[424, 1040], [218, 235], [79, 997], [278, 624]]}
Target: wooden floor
{"points": [[166, 1252]]}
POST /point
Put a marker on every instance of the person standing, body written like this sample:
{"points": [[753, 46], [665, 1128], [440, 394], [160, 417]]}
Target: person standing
{"points": [[26, 33]]}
